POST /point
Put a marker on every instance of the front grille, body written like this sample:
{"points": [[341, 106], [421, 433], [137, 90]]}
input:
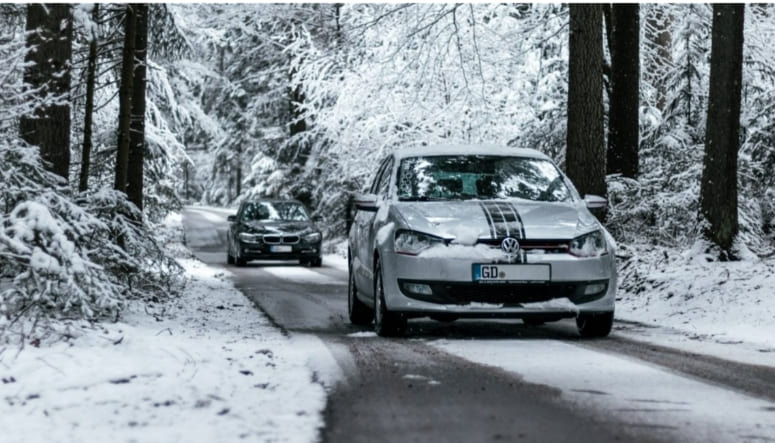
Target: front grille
{"points": [[508, 294], [530, 245], [281, 239]]}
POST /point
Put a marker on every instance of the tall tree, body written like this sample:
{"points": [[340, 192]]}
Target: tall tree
{"points": [[625, 84], [585, 155], [91, 69], [718, 192], [125, 97], [659, 41], [49, 43], [136, 157]]}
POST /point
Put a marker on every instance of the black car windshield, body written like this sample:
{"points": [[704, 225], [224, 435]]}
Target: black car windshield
{"points": [[480, 177], [274, 211]]}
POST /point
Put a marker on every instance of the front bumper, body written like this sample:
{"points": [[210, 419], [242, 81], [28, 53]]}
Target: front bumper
{"points": [[263, 251], [418, 285]]}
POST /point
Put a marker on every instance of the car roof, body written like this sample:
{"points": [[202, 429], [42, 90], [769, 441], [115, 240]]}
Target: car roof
{"points": [[272, 200], [468, 149]]}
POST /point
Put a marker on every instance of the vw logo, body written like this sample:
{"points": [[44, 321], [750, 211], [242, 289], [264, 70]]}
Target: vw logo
{"points": [[510, 245]]}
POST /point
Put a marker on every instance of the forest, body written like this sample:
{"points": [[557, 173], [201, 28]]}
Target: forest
{"points": [[114, 115]]}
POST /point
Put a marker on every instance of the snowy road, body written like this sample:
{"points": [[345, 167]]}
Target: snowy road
{"points": [[496, 380]]}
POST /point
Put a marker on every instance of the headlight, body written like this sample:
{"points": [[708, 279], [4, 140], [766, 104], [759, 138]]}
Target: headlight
{"points": [[249, 238], [313, 237], [589, 245], [412, 242]]}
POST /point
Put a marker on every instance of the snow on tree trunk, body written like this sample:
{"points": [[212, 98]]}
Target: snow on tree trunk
{"points": [[49, 39], [136, 158]]}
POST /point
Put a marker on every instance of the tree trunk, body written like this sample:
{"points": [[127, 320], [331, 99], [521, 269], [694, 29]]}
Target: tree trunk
{"points": [[136, 158], [718, 193], [49, 40], [585, 156], [125, 98], [625, 83], [91, 68]]}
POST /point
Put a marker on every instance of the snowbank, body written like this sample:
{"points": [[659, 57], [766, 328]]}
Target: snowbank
{"points": [[207, 367]]}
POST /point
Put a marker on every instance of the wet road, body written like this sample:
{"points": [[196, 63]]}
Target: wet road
{"points": [[402, 390]]}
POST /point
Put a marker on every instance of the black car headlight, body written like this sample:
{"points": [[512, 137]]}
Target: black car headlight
{"points": [[592, 244], [413, 242], [249, 238], [312, 237]]}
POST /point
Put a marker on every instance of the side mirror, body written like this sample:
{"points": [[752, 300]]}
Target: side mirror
{"points": [[595, 201], [231, 218], [366, 202]]}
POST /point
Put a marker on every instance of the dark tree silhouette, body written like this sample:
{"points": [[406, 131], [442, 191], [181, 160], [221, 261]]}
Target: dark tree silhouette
{"points": [[718, 192], [49, 43], [136, 158], [125, 97], [625, 83], [585, 157], [91, 68]]}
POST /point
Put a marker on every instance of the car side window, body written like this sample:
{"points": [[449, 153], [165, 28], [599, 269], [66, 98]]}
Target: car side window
{"points": [[383, 186], [378, 178]]}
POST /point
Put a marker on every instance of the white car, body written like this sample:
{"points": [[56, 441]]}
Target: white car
{"points": [[472, 231]]}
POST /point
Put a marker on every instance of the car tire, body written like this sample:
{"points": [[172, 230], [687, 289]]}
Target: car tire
{"points": [[238, 260], [595, 325], [386, 323], [359, 313], [316, 262], [229, 257]]}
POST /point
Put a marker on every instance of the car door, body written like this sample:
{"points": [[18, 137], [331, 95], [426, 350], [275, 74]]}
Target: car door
{"points": [[363, 226]]}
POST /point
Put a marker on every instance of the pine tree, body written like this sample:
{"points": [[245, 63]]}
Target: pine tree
{"points": [[49, 43], [585, 158], [625, 83], [718, 194], [136, 156]]}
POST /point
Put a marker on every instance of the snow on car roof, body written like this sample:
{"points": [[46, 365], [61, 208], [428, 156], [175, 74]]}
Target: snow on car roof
{"points": [[468, 149]]}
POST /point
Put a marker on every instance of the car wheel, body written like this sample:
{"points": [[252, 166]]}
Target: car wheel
{"points": [[359, 313], [303, 262], [238, 260], [316, 262], [595, 325], [229, 257], [386, 323]]}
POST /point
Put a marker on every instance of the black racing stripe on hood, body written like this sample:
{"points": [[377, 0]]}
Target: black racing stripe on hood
{"points": [[519, 220], [505, 219], [490, 222]]}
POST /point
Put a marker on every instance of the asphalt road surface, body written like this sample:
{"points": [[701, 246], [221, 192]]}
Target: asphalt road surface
{"points": [[407, 390]]}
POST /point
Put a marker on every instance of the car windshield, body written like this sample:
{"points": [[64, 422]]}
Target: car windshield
{"points": [[480, 177], [274, 211]]}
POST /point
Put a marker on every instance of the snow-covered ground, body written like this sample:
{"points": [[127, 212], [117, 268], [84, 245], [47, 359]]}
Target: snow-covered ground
{"points": [[213, 368], [682, 300], [209, 368]]}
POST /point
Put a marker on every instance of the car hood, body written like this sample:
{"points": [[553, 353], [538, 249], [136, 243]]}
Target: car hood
{"points": [[263, 227], [470, 220]]}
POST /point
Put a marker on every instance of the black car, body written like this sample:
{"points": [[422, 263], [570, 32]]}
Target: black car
{"points": [[273, 230]]}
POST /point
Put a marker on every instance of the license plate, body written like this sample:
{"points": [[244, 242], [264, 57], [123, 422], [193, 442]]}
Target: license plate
{"points": [[281, 248], [496, 273]]}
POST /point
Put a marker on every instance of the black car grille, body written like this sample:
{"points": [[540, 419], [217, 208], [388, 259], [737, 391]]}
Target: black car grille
{"points": [[281, 239], [530, 245], [508, 294]]}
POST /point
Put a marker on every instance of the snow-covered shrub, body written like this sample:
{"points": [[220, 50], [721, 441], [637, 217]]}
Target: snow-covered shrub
{"points": [[59, 258]]}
